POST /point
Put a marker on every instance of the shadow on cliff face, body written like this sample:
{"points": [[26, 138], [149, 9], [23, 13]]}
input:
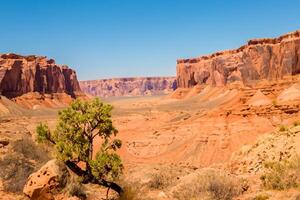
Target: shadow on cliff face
{"points": [[23, 74]]}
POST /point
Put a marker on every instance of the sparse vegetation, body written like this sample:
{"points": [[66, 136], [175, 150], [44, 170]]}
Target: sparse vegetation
{"points": [[130, 193], [77, 189], [261, 197], [283, 128], [296, 123], [282, 175], [162, 179], [274, 102], [24, 158], [211, 185]]}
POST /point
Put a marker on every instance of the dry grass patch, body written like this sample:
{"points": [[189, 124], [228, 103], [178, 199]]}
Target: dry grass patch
{"points": [[77, 189], [261, 197], [211, 185], [282, 175], [132, 191], [283, 128], [296, 123], [164, 178], [24, 158]]}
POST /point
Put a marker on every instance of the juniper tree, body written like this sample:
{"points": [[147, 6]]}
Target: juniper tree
{"points": [[79, 126]]}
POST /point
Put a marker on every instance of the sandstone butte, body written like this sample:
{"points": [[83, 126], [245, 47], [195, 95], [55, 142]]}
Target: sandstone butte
{"points": [[266, 58], [36, 77], [136, 86]]}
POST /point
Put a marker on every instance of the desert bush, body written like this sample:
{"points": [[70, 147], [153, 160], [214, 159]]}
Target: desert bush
{"points": [[163, 178], [133, 190], [30, 150], [283, 128], [24, 158], [261, 197], [76, 189], [281, 175], [274, 102], [296, 123], [211, 185], [130, 193]]}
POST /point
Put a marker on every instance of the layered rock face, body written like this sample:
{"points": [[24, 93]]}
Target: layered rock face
{"points": [[129, 86], [267, 58], [24, 74]]}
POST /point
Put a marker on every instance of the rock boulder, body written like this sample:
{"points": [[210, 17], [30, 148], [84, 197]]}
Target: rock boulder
{"points": [[42, 184]]}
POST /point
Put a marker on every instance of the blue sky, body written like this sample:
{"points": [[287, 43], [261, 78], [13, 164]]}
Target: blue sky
{"points": [[124, 38]]}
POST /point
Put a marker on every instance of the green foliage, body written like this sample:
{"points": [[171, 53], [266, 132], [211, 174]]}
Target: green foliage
{"points": [[43, 133], [79, 127], [106, 165], [282, 175]]}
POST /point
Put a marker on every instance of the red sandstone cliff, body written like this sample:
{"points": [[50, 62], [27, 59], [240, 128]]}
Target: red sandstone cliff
{"points": [[129, 86], [24, 74], [269, 59]]}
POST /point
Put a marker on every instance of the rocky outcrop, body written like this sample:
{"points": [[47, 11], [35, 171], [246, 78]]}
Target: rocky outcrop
{"points": [[267, 58], [129, 86], [42, 184], [23, 74]]}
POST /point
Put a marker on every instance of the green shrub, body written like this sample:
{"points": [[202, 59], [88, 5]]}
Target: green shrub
{"points": [[282, 175]]}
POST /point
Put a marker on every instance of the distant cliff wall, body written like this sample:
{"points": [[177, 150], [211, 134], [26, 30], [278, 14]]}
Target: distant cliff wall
{"points": [[23, 74], [129, 86], [267, 58]]}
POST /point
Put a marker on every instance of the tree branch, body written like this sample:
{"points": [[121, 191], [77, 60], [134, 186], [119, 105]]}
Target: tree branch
{"points": [[89, 178], [107, 184], [77, 170]]}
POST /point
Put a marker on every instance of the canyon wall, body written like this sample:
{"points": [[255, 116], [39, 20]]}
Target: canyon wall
{"points": [[24, 74], [129, 86], [266, 58]]}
